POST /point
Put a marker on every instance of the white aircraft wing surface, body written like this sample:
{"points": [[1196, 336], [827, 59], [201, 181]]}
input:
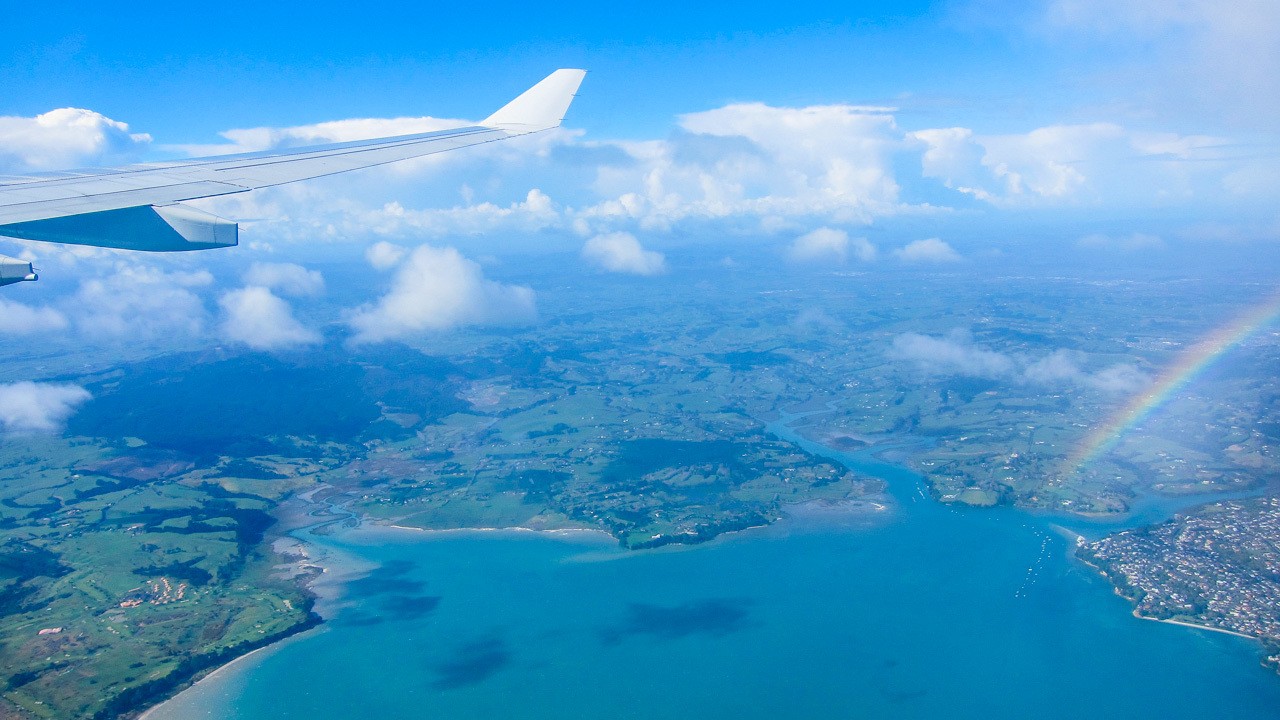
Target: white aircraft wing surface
{"points": [[136, 207]]}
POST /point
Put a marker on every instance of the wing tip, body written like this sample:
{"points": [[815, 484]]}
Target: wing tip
{"points": [[542, 106]]}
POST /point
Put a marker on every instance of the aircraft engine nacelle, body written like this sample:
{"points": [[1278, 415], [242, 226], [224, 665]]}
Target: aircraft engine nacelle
{"points": [[155, 228], [13, 270]]}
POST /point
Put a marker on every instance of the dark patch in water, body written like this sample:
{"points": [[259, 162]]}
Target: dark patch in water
{"points": [[716, 617], [409, 607], [357, 619], [473, 663], [387, 580]]}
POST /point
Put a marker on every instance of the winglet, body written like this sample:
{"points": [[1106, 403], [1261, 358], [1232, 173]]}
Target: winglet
{"points": [[541, 107]]}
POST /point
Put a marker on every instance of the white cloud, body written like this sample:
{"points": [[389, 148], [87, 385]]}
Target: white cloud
{"points": [[384, 255], [257, 139], [19, 319], [755, 163], [536, 212], [1136, 242], [931, 250], [1193, 57], [259, 319], [957, 354], [132, 302], [621, 252], [953, 354], [1120, 379], [829, 245], [1063, 367], [1063, 165], [38, 407], [65, 138], [439, 289], [286, 278], [1059, 366], [744, 167]]}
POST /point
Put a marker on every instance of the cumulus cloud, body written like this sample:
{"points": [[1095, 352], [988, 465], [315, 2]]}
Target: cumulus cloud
{"points": [[747, 167], [1064, 367], [957, 354], [19, 319], [285, 278], [952, 354], [756, 163], [1058, 165], [438, 289], [258, 139], [130, 302], [38, 407], [65, 138], [621, 252], [256, 317], [829, 245], [536, 212], [931, 250], [384, 255]]}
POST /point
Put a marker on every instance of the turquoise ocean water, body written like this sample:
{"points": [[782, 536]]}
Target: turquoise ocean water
{"points": [[919, 611]]}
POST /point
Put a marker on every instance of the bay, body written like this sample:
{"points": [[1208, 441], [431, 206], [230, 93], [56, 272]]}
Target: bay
{"points": [[915, 611]]}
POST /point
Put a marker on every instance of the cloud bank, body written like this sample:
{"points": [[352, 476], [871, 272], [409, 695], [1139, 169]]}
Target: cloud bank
{"points": [[828, 245], [66, 138], [931, 250], [131, 302], [19, 319], [38, 407], [621, 252], [438, 289], [285, 278], [957, 354], [257, 318]]}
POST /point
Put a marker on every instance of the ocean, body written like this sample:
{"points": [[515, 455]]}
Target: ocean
{"points": [[915, 611]]}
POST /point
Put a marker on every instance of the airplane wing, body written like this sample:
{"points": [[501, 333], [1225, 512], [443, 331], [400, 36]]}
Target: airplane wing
{"points": [[137, 207]]}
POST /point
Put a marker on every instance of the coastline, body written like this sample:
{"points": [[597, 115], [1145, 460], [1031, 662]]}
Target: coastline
{"points": [[326, 570], [557, 532], [1184, 623], [222, 670], [1197, 626]]}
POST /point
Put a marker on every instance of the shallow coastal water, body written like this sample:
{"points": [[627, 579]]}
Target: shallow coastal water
{"points": [[918, 610]]}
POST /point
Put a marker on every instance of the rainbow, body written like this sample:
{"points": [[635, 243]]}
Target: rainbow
{"points": [[1186, 367]]}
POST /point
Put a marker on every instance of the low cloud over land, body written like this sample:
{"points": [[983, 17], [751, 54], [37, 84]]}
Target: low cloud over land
{"points": [[931, 250], [957, 354], [828, 245], [38, 407], [255, 317], [438, 289], [621, 252]]}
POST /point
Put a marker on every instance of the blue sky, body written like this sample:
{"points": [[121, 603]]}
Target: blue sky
{"points": [[185, 71], [911, 137], [1106, 113]]}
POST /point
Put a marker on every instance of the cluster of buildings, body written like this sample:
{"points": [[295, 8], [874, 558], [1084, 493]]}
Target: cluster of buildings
{"points": [[1218, 566]]}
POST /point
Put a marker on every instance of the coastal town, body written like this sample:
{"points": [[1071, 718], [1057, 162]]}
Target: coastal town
{"points": [[1216, 567]]}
